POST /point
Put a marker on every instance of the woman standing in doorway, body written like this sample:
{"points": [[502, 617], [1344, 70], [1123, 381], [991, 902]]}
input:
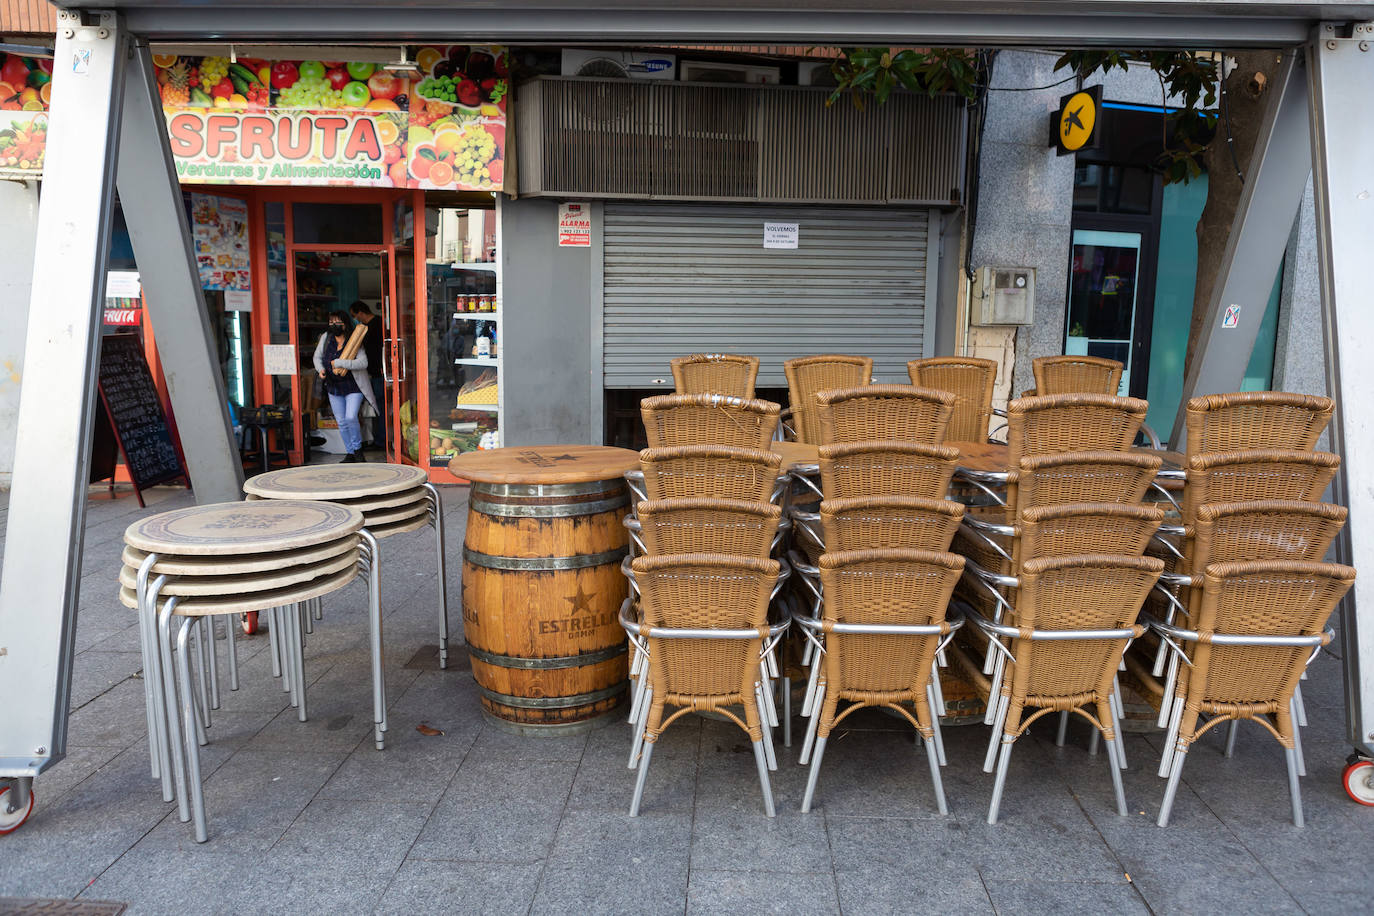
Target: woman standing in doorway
{"points": [[346, 391]]}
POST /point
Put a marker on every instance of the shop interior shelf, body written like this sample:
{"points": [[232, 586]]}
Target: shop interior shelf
{"points": [[329, 296], [478, 316], [475, 265], [489, 408], [476, 361]]}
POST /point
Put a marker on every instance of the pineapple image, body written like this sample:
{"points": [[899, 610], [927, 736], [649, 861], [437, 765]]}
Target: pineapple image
{"points": [[176, 92]]}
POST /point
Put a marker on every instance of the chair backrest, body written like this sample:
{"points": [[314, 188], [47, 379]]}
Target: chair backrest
{"points": [[708, 525], [715, 373], [884, 586], [810, 375], [1083, 477], [1256, 419], [1268, 529], [1076, 375], [1076, 528], [901, 522], [708, 419], [885, 468], [1260, 598], [971, 380], [1080, 592], [867, 412], [1263, 473], [710, 470], [704, 591], [1048, 424]]}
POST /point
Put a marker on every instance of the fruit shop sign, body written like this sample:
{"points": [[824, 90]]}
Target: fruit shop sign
{"points": [[280, 147]]}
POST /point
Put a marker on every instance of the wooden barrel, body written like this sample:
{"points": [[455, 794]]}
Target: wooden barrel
{"points": [[542, 590]]}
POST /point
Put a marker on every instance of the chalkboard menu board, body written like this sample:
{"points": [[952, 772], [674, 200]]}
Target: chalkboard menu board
{"points": [[135, 412]]}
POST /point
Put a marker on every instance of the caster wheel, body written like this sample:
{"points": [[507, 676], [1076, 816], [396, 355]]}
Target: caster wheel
{"points": [[250, 623], [1358, 779], [13, 820]]}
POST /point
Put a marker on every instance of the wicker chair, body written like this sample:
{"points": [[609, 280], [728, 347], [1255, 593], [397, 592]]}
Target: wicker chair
{"points": [[716, 373], [708, 525], [1256, 419], [810, 375], [901, 412], [894, 522], [887, 469], [1074, 618], [704, 624], [971, 381], [708, 419], [884, 619], [1256, 474], [1076, 375], [711, 470], [1075, 477], [1071, 423], [1259, 625]]}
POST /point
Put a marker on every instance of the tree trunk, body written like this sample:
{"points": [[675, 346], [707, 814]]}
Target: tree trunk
{"points": [[1224, 186]]}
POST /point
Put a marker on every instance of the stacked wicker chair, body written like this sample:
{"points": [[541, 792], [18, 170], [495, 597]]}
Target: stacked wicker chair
{"points": [[1243, 608], [810, 375], [876, 560], [1075, 375], [706, 528], [716, 373], [971, 381]]}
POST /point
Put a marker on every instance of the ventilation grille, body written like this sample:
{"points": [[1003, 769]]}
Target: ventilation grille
{"points": [[656, 139]]}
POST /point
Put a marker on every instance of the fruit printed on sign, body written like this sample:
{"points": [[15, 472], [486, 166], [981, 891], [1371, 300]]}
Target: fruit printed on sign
{"points": [[338, 78], [383, 85], [284, 74], [360, 71]]}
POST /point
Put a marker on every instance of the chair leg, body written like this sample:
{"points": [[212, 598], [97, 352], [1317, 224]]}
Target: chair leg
{"points": [[203, 671], [176, 742], [1166, 707], [231, 635], [272, 634], [319, 609], [1175, 772], [1114, 764], [816, 756], [638, 743], [308, 619], [188, 715], [208, 634], [999, 717], [1063, 729], [1299, 709], [1166, 761], [813, 680], [1115, 706], [1297, 740], [812, 727], [1294, 790], [639, 780], [994, 690], [1231, 731], [786, 711], [1002, 763], [769, 755], [937, 784], [761, 760], [935, 726]]}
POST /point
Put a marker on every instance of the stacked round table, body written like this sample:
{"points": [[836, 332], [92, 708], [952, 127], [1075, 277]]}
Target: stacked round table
{"points": [[542, 586], [183, 568]]}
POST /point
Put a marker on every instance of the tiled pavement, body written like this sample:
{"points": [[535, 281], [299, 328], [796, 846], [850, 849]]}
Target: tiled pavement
{"points": [[308, 817]]}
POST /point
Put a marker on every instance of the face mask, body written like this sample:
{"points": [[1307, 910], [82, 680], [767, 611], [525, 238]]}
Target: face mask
{"points": [[335, 327]]}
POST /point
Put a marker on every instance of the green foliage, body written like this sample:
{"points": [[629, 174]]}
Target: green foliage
{"points": [[873, 73]]}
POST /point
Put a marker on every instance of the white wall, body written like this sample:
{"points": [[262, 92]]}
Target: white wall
{"points": [[19, 216]]}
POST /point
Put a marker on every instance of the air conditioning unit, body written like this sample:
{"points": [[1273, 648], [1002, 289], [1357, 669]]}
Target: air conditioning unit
{"points": [[619, 64], [816, 75], [701, 71], [1003, 295]]}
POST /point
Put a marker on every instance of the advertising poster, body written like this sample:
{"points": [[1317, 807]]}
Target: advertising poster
{"points": [[25, 87], [219, 228]]}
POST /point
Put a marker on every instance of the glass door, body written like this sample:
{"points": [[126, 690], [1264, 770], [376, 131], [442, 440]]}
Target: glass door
{"points": [[1103, 286], [404, 442]]}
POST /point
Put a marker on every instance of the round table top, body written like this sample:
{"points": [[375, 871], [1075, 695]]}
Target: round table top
{"points": [[233, 565], [544, 464], [219, 586], [260, 526], [796, 453], [196, 606], [992, 456], [335, 481]]}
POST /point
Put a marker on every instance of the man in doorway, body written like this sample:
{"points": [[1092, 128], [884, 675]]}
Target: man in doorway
{"points": [[372, 346]]}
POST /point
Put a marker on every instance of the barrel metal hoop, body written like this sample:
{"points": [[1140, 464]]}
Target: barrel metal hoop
{"points": [[556, 510], [547, 489], [562, 661], [580, 699], [579, 561]]}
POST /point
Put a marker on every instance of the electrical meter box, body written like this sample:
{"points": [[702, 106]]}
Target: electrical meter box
{"points": [[1003, 295]]}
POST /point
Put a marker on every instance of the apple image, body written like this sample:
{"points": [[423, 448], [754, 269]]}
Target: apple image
{"points": [[311, 70], [469, 94], [361, 70], [384, 85], [338, 78], [355, 94]]}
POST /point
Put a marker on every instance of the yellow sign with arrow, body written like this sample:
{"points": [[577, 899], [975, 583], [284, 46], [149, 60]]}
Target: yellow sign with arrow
{"points": [[1076, 121]]}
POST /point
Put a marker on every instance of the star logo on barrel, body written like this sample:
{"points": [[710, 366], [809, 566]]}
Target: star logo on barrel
{"points": [[579, 599]]}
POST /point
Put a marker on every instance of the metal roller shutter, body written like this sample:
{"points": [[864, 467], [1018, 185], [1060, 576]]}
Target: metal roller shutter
{"points": [[681, 279]]}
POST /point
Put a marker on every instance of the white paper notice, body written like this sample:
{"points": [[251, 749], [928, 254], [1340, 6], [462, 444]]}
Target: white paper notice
{"points": [[780, 235], [279, 359], [574, 226], [122, 284], [238, 300]]}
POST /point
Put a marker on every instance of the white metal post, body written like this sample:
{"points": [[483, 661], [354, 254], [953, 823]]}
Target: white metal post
{"points": [[1341, 76], [161, 237], [47, 510], [1275, 181]]}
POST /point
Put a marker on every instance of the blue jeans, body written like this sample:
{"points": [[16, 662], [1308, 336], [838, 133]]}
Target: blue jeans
{"points": [[346, 407]]}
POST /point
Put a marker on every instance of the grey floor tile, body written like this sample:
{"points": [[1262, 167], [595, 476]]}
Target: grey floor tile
{"points": [[1064, 898], [894, 843], [413, 765], [79, 764], [744, 840], [650, 850], [184, 880], [486, 888], [920, 885], [605, 783], [332, 831], [96, 672], [761, 892], [496, 742]]}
